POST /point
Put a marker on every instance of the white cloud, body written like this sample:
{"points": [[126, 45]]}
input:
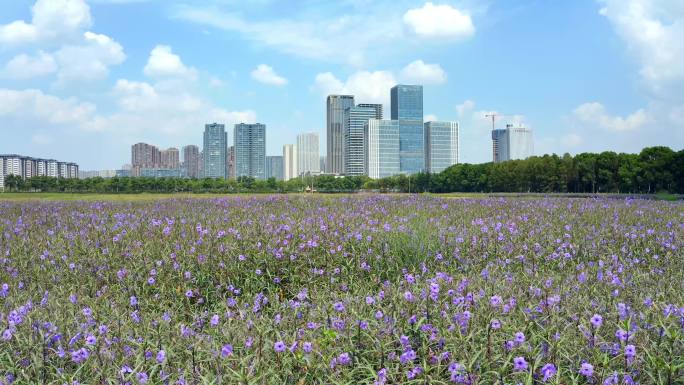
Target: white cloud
{"points": [[420, 72], [595, 114], [465, 107], [653, 31], [367, 87], [33, 104], [89, 60], [26, 67], [439, 21], [164, 63], [18, 32], [52, 19], [431, 118], [363, 34], [265, 74]]}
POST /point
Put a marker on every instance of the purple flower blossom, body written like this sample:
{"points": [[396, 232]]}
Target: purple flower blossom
{"points": [[597, 320], [161, 356], [587, 369], [279, 347], [519, 364], [226, 350], [548, 371]]}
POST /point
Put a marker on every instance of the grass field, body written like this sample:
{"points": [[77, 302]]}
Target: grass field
{"points": [[329, 289]]}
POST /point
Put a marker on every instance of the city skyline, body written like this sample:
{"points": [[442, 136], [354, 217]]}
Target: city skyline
{"points": [[79, 84]]}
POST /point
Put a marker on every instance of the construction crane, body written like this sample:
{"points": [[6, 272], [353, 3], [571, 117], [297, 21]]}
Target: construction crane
{"points": [[494, 115]]}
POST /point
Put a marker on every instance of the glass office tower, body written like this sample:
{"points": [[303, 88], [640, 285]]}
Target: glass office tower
{"points": [[336, 106], [250, 150], [215, 141], [354, 152], [441, 146], [407, 109]]}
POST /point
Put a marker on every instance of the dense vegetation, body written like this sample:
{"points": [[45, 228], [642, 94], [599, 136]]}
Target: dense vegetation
{"points": [[654, 170], [342, 290]]}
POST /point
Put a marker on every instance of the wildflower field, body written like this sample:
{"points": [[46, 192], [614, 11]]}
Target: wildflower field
{"points": [[342, 290]]}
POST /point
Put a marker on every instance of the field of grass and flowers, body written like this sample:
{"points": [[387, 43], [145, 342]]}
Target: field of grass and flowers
{"points": [[366, 289]]}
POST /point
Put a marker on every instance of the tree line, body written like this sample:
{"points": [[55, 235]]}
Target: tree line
{"points": [[653, 170]]}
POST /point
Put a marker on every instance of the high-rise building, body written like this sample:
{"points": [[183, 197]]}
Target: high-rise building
{"points": [[170, 158], [231, 162], [274, 167], [308, 157], [144, 155], [290, 162], [441, 146], [382, 148], [356, 119], [407, 108], [250, 150], [513, 142], [335, 129], [406, 102], [215, 141], [191, 159]]}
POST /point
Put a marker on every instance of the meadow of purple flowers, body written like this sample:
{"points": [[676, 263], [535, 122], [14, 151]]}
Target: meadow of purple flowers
{"points": [[342, 290]]}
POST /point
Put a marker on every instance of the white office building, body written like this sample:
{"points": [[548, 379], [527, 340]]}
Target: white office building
{"points": [[441, 145], [513, 142], [308, 156], [290, 162], [382, 148]]}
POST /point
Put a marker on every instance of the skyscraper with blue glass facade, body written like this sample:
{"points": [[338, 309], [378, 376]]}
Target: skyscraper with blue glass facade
{"points": [[215, 141], [250, 150], [407, 108]]}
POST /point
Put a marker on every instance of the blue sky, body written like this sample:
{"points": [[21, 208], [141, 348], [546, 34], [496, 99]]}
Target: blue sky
{"points": [[82, 80]]}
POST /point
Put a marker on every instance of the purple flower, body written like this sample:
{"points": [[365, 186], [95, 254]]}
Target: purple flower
{"points": [[407, 356], [630, 351], [519, 364], [189, 294], [279, 346], [226, 350], [597, 320], [344, 359], [587, 369], [519, 337], [161, 356], [338, 306], [548, 371], [142, 377], [91, 340], [214, 320], [307, 347], [495, 324], [496, 300], [80, 355]]}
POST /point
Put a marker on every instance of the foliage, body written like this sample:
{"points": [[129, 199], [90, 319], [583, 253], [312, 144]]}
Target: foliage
{"points": [[654, 170], [342, 290]]}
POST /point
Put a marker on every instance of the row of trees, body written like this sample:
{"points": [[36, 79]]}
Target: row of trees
{"points": [[654, 170], [119, 185]]}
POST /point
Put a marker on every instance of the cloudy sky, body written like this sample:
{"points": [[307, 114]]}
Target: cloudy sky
{"points": [[82, 80]]}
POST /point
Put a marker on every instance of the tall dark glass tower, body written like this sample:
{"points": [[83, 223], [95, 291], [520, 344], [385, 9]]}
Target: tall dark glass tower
{"points": [[407, 108], [336, 124]]}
